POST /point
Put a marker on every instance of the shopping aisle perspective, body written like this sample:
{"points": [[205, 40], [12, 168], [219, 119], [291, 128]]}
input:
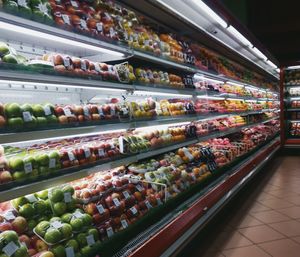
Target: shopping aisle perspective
{"points": [[263, 221]]}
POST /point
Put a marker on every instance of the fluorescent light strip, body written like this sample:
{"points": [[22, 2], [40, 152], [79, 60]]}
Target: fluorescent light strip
{"points": [[259, 53], [295, 98], [56, 39], [239, 36], [210, 97], [235, 84], [205, 8], [165, 126], [60, 86], [235, 99], [271, 64], [148, 93], [293, 67], [208, 79]]}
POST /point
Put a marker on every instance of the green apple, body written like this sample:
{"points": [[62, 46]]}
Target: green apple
{"points": [[52, 119], [53, 236], [86, 250], [38, 110], [87, 219], [16, 163], [56, 195], [53, 219], [31, 224], [68, 189], [19, 175], [13, 110], [42, 159], [19, 202], [66, 218], [26, 108], [58, 251], [41, 121], [60, 208], [66, 231], [10, 236], [77, 224], [42, 227], [40, 207], [15, 123], [81, 239], [42, 194], [94, 232], [21, 252], [27, 210], [71, 205], [4, 49], [72, 243]]}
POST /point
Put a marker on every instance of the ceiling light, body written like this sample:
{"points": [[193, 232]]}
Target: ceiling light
{"points": [[56, 39], [149, 93], [239, 36], [259, 53], [272, 64], [205, 8]]}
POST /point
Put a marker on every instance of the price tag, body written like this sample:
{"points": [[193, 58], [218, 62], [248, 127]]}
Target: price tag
{"points": [[176, 190], [27, 116], [182, 186], [22, 3], [56, 224], [66, 19], [28, 167], [113, 111], [133, 210], [99, 26], [101, 152], [159, 201], [116, 202], [126, 194], [86, 111], [100, 111], [100, 208], [149, 206], [139, 188], [9, 216], [187, 184], [70, 252], [47, 110], [52, 163], [109, 232], [83, 65], [67, 197], [87, 152], [90, 240], [67, 112], [67, 62], [112, 146], [83, 24], [193, 176], [10, 248], [97, 67], [188, 154], [124, 223], [111, 32], [78, 214], [74, 4], [125, 111], [43, 8], [71, 156], [31, 198]]}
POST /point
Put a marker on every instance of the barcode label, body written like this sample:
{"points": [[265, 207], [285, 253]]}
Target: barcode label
{"points": [[100, 208], [27, 116], [28, 167]]}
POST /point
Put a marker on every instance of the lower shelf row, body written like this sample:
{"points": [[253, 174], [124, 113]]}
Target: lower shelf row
{"points": [[99, 214]]}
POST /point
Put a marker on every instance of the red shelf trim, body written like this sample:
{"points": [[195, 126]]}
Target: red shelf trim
{"points": [[292, 142], [161, 241]]}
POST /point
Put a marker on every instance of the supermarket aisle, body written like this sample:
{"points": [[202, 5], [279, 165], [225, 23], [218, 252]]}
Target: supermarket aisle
{"points": [[263, 221]]}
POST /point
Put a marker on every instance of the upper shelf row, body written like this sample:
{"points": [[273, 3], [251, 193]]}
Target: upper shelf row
{"points": [[36, 39]]}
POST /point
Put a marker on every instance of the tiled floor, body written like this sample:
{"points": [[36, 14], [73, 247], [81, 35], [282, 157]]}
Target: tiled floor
{"points": [[263, 222]]}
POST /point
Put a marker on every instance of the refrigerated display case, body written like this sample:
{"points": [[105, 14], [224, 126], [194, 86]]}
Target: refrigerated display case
{"points": [[119, 136]]}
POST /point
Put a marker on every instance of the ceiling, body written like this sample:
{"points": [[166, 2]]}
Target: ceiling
{"points": [[276, 24]]}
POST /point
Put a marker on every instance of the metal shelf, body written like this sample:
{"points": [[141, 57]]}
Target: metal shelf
{"points": [[293, 110], [174, 230], [44, 135], [118, 47], [76, 173]]}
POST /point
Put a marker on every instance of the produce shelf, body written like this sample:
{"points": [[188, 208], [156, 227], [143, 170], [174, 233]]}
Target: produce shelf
{"points": [[51, 180], [110, 45], [171, 233]]}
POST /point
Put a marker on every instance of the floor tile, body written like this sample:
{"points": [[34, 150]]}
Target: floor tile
{"points": [[293, 212], [248, 251], [270, 216], [294, 200], [281, 248], [245, 222], [261, 234], [276, 203], [258, 207], [227, 240], [289, 228]]}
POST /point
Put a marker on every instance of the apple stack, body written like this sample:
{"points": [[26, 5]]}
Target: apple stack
{"points": [[5, 175]]}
